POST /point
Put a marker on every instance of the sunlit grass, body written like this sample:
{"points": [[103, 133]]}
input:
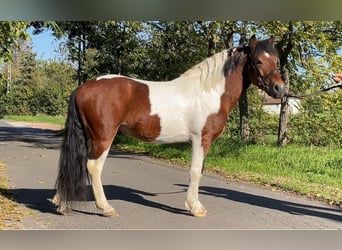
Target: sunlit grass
{"points": [[38, 118]]}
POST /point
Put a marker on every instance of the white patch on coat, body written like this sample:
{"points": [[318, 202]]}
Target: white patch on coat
{"points": [[183, 108], [184, 104], [267, 54]]}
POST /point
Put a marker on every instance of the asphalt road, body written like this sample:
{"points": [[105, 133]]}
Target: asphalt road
{"points": [[148, 194]]}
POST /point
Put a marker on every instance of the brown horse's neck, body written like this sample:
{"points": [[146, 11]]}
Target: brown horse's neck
{"points": [[236, 84]]}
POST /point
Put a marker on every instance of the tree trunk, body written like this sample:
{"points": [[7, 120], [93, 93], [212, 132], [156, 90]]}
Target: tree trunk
{"points": [[244, 117], [9, 78], [284, 47], [79, 69], [243, 103], [228, 37], [211, 46], [212, 41], [83, 74], [283, 116]]}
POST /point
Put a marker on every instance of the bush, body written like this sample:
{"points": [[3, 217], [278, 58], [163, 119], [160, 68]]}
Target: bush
{"points": [[53, 100], [32, 100], [261, 124], [319, 123], [17, 102], [47, 93]]}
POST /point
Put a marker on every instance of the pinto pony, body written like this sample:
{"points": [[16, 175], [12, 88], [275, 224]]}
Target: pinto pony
{"points": [[192, 108]]}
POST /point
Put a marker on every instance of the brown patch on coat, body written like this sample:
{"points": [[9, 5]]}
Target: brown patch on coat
{"points": [[106, 104], [234, 87]]}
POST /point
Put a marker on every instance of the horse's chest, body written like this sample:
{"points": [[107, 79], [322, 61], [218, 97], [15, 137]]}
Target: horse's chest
{"points": [[182, 114]]}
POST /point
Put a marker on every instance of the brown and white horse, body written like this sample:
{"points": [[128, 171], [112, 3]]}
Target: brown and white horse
{"points": [[193, 107]]}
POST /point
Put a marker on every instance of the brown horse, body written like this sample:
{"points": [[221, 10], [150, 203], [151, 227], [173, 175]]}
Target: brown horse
{"points": [[193, 107]]}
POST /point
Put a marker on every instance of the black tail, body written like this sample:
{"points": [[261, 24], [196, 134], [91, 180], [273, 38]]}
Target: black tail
{"points": [[72, 178]]}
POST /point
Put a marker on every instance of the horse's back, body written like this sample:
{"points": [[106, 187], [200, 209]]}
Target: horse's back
{"points": [[108, 103]]}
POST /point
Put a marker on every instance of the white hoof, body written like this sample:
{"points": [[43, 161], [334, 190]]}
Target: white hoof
{"points": [[197, 209]]}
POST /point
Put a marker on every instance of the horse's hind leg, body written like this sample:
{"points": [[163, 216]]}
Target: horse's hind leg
{"points": [[62, 205], [95, 167]]}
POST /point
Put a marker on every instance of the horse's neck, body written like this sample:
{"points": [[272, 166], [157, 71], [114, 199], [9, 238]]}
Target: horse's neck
{"points": [[212, 80], [209, 73], [235, 86]]}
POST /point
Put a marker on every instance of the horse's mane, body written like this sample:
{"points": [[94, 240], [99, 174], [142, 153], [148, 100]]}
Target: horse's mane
{"points": [[262, 46], [232, 61], [213, 69], [209, 70]]}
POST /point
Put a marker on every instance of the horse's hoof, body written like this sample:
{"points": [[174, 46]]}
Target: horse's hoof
{"points": [[66, 211], [110, 213], [198, 211], [202, 212], [55, 200]]}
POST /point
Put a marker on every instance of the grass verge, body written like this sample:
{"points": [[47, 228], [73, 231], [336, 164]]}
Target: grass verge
{"points": [[38, 118], [10, 213]]}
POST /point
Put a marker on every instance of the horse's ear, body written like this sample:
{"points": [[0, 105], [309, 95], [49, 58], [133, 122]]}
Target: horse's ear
{"points": [[246, 48], [271, 40], [230, 52], [253, 42]]}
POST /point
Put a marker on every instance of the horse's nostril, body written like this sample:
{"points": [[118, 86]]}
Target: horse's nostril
{"points": [[278, 89]]}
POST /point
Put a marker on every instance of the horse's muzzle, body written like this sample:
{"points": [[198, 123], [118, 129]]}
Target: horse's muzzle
{"points": [[277, 90]]}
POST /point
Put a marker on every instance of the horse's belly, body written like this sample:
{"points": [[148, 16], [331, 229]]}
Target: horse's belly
{"points": [[172, 138], [170, 134], [173, 127]]}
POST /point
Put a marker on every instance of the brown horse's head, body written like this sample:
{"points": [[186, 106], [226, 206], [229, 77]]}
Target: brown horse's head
{"points": [[263, 67]]}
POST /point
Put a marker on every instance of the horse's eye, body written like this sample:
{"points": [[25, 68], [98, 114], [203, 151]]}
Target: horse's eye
{"points": [[259, 62]]}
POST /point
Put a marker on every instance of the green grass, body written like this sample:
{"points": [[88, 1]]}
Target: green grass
{"points": [[38, 118]]}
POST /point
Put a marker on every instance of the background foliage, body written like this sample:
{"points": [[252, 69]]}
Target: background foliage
{"points": [[309, 51]]}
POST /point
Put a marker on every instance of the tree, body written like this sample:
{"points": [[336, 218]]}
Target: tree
{"points": [[171, 48], [53, 84], [26, 64], [11, 33], [284, 47], [77, 34], [117, 45], [243, 102], [308, 55], [211, 33], [159, 50]]}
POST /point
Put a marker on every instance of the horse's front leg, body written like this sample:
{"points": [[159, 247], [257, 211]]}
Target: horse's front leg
{"points": [[192, 202]]}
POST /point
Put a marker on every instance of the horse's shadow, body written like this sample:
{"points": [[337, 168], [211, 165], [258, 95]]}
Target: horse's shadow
{"points": [[40, 199], [38, 138], [331, 213]]}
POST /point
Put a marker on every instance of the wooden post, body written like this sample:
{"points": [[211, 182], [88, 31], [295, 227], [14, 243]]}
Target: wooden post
{"points": [[244, 117], [283, 116], [243, 102]]}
